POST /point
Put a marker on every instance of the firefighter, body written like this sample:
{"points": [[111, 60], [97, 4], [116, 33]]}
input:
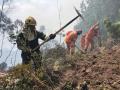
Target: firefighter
{"points": [[27, 40], [70, 39], [87, 38]]}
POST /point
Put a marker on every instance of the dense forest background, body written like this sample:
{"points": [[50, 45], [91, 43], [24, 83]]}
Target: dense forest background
{"points": [[98, 10]]}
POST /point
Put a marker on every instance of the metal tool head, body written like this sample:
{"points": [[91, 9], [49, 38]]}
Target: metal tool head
{"points": [[78, 13]]}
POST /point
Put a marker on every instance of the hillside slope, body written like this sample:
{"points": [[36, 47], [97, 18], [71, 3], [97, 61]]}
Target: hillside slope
{"points": [[97, 70]]}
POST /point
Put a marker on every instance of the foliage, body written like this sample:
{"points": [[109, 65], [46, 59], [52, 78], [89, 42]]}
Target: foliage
{"points": [[87, 68], [113, 29], [97, 10], [6, 24], [81, 67], [23, 77], [56, 52]]}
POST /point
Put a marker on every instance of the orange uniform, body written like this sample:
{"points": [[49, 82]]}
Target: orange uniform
{"points": [[70, 39], [87, 39]]}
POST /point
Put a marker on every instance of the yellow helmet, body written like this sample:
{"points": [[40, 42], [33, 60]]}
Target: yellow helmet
{"points": [[30, 21]]}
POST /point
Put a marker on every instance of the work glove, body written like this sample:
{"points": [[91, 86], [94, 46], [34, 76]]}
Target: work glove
{"points": [[52, 36]]}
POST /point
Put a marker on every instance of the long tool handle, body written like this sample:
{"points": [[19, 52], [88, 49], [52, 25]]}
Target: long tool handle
{"points": [[66, 25], [57, 32]]}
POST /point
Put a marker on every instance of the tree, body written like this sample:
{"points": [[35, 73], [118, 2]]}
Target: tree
{"points": [[97, 10], [17, 26], [6, 24], [113, 29]]}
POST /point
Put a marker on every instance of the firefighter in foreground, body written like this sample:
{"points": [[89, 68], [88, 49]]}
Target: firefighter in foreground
{"points": [[27, 40], [87, 39], [70, 39]]}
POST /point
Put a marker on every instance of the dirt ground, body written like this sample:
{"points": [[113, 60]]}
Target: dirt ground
{"points": [[100, 70]]}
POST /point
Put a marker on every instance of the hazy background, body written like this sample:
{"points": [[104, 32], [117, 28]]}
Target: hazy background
{"points": [[46, 12]]}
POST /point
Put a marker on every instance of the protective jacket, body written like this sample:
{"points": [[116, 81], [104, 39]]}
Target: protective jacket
{"points": [[25, 45], [71, 37]]}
